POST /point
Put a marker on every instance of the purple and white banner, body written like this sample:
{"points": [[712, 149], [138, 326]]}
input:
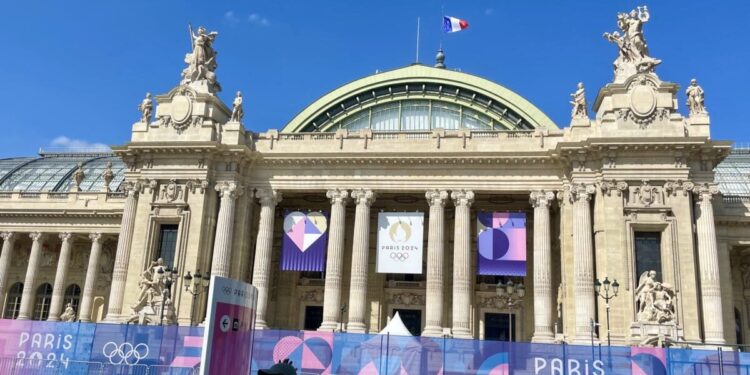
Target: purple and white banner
{"points": [[400, 238], [304, 242], [501, 242]]}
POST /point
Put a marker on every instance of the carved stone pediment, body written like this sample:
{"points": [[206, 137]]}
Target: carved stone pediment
{"points": [[407, 299]]}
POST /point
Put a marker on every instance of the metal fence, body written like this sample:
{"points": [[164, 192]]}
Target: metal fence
{"points": [[31, 366]]}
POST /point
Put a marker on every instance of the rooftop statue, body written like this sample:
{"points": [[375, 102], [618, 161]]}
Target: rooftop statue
{"points": [[237, 110], [695, 99], [202, 59], [579, 103], [633, 55], [145, 107]]}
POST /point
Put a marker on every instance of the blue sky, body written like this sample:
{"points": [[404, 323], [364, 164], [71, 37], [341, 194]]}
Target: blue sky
{"points": [[78, 69]]}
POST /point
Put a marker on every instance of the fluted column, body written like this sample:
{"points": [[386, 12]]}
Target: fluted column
{"points": [[334, 261], [708, 264], [222, 255], [462, 289], [435, 264], [84, 312], [27, 299], [541, 200], [583, 262], [122, 256], [360, 252], [9, 238], [263, 250], [58, 290]]}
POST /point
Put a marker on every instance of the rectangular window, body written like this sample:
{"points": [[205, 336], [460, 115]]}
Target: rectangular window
{"points": [[167, 244], [499, 327], [313, 317], [647, 253]]}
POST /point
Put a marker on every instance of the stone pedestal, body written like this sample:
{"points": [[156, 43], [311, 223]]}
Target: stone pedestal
{"points": [[654, 334]]}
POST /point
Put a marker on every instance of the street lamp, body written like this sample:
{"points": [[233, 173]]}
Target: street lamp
{"points": [[195, 285], [169, 275], [511, 294], [614, 287]]}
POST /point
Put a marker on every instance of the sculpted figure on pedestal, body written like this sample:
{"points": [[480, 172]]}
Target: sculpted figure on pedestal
{"points": [[579, 103], [695, 98], [145, 107], [69, 315], [153, 296], [237, 111], [633, 51], [108, 175], [654, 300], [202, 60], [79, 175]]}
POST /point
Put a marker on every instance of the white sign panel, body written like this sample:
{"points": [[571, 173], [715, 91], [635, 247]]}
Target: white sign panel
{"points": [[400, 238], [228, 335]]}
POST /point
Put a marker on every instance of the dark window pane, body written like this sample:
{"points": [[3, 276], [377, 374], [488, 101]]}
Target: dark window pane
{"points": [[313, 317], [43, 299], [13, 306], [73, 297], [647, 253], [167, 244]]}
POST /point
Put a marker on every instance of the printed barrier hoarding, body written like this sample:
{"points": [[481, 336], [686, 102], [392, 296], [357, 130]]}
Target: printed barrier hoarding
{"points": [[178, 349], [400, 238], [228, 337]]}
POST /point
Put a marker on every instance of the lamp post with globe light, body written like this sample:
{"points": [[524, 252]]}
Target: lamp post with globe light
{"points": [[196, 285], [511, 294], [614, 287], [169, 275]]}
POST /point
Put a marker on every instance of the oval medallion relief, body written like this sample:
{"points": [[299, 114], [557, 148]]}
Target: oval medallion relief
{"points": [[642, 100], [182, 108]]}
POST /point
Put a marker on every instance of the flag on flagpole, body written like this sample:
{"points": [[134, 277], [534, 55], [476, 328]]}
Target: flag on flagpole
{"points": [[453, 24]]}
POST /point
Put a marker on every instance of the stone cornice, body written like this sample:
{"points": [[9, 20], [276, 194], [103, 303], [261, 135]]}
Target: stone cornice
{"points": [[306, 161], [114, 213]]}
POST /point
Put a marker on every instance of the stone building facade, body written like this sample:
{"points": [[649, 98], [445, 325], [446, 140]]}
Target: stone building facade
{"points": [[634, 184]]}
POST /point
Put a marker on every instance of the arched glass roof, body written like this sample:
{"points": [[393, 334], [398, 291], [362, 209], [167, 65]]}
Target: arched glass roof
{"points": [[420, 98], [54, 172], [733, 173]]}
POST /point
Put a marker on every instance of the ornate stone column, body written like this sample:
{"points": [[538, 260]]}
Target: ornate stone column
{"points": [[222, 255], [435, 264], [334, 261], [708, 264], [9, 239], [541, 200], [58, 290], [122, 257], [583, 262], [27, 299], [84, 312], [360, 251], [462, 289], [263, 250]]}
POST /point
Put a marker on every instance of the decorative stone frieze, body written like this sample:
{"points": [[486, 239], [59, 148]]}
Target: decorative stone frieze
{"points": [[407, 299]]}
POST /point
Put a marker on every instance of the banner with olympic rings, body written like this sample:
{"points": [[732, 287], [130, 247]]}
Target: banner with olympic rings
{"points": [[400, 239]]}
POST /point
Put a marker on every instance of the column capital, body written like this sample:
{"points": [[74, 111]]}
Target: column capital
{"points": [[337, 196], [705, 191], [363, 196], [229, 188], [582, 191], [462, 197], [436, 197], [95, 237], [36, 236], [609, 186], [541, 198], [8, 236], [132, 188], [268, 197], [65, 236]]}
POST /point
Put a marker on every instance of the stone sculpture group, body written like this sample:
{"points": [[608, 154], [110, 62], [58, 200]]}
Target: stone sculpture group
{"points": [[654, 300], [154, 301]]}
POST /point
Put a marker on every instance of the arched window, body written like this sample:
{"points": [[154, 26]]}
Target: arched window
{"points": [[73, 297], [13, 304], [43, 299]]}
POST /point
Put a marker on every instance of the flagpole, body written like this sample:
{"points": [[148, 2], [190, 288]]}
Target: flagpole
{"points": [[417, 40]]}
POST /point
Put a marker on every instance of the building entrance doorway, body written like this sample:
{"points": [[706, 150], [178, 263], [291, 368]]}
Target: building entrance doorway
{"points": [[313, 317], [412, 320], [500, 327]]}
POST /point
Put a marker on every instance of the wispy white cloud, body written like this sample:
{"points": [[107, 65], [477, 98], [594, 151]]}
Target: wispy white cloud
{"points": [[489, 12], [69, 144], [231, 18], [258, 19]]}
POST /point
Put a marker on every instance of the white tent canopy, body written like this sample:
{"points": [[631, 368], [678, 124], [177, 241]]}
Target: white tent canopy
{"points": [[396, 327]]}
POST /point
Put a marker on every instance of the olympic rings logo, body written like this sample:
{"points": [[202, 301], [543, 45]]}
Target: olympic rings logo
{"points": [[124, 353], [399, 256]]}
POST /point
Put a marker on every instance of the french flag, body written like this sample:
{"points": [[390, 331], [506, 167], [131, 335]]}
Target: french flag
{"points": [[453, 24]]}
